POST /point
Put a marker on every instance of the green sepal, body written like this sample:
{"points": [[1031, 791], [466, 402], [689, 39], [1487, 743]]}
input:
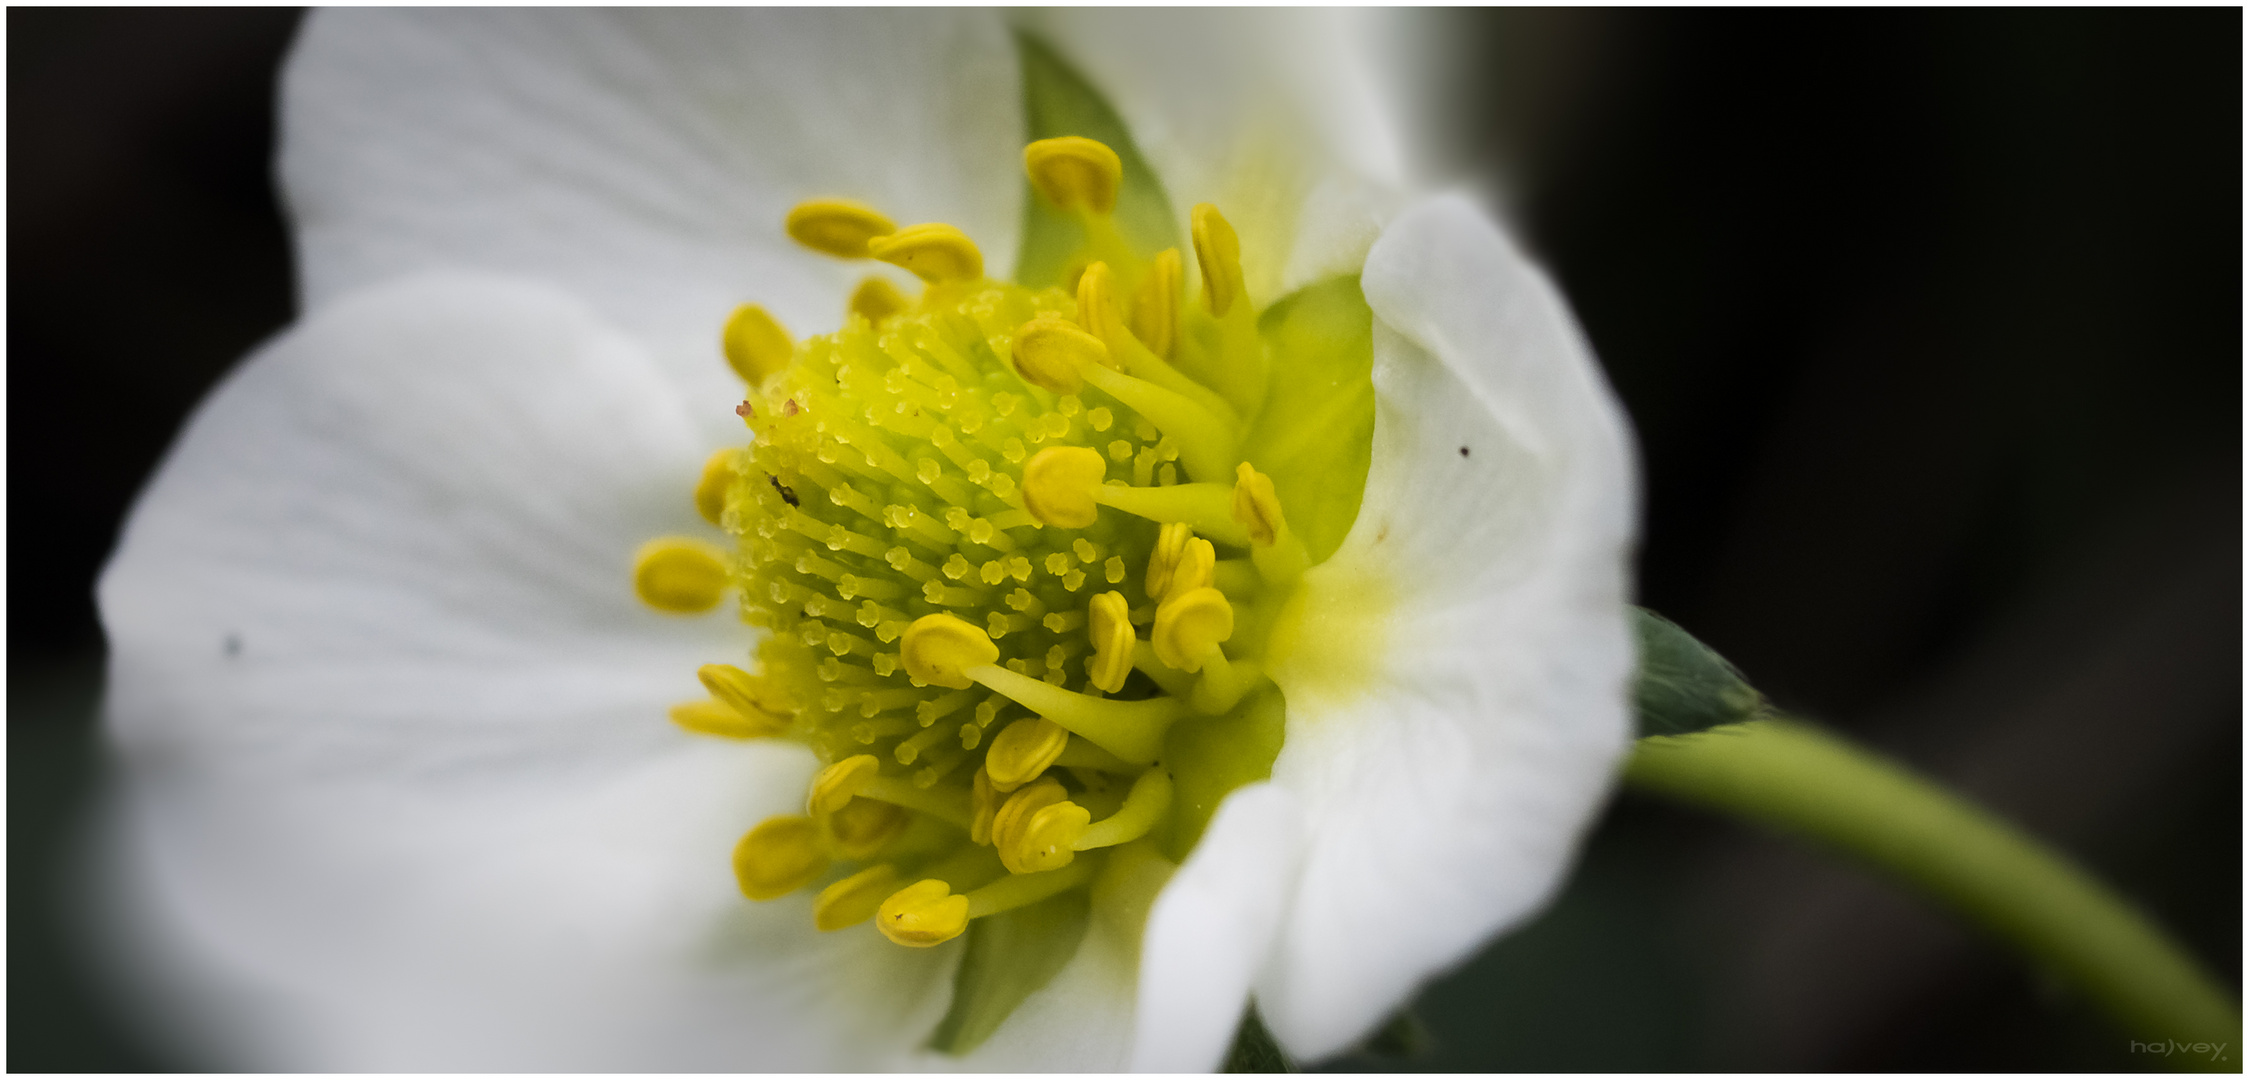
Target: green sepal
{"points": [[1058, 101], [1208, 759], [1315, 435], [1255, 1050], [1403, 1036], [1010, 956], [1684, 686]]}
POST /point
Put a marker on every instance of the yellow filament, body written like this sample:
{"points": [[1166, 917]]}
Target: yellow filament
{"points": [[1097, 305], [1059, 484], [1132, 730], [1189, 627], [1171, 544], [719, 718], [1207, 442], [855, 899], [757, 346], [1256, 507], [838, 227], [877, 299], [780, 856], [923, 914], [1146, 805], [710, 490], [984, 805], [1109, 621], [680, 575], [840, 783], [1023, 751], [937, 649], [1219, 252], [1074, 173], [1208, 508], [863, 826], [1155, 309], [1018, 890], [936, 253], [1050, 353], [739, 690]]}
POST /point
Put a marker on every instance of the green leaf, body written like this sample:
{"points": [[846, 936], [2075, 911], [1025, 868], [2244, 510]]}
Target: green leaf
{"points": [[1315, 436], [1058, 101], [1010, 956], [1254, 1049], [1684, 686]]}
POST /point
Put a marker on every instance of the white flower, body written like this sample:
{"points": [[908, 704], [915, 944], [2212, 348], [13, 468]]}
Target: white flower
{"points": [[396, 788]]}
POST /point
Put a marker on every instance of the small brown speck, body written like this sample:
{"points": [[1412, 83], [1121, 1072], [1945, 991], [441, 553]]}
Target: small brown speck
{"points": [[1463, 451], [744, 411], [787, 496]]}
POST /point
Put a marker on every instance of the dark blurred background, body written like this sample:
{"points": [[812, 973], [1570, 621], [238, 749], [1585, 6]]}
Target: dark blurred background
{"points": [[1930, 325]]}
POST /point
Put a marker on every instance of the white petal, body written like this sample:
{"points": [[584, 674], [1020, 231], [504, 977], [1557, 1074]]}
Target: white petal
{"points": [[1271, 116], [1213, 927], [643, 159], [392, 723], [1446, 791]]}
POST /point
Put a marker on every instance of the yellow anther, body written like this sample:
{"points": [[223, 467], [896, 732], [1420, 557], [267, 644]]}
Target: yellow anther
{"points": [[1058, 485], [719, 718], [840, 783], [877, 299], [1049, 351], [1035, 829], [1074, 173], [1155, 309], [923, 914], [936, 253], [679, 574], [1023, 751], [863, 826], [838, 227], [780, 856], [1219, 252], [1109, 620], [937, 648], [1189, 625], [757, 346], [1255, 505], [710, 490], [983, 805], [855, 899], [1171, 544], [1196, 569], [741, 692], [1097, 304]]}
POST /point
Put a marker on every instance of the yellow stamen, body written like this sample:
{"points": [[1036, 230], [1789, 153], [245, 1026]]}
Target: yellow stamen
{"points": [[840, 783], [710, 490], [855, 899], [1074, 173], [1019, 890], [1060, 485], [1023, 751], [780, 856], [923, 914], [1050, 353], [1206, 439], [838, 227], [1034, 831], [936, 253], [1155, 309], [1132, 730], [1219, 252], [1256, 507], [1208, 508], [877, 299], [1196, 568], [1109, 621], [937, 649], [719, 718], [757, 345], [1190, 625], [862, 826], [680, 575], [1146, 805], [1171, 544], [984, 805], [741, 691], [1097, 305]]}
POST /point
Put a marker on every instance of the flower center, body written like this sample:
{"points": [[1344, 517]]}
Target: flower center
{"points": [[1018, 582]]}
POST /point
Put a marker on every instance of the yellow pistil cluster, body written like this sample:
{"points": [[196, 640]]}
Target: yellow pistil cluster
{"points": [[1002, 542]]}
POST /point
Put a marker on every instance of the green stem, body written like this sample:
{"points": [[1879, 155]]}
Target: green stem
{"points": [[1800, 779]]}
